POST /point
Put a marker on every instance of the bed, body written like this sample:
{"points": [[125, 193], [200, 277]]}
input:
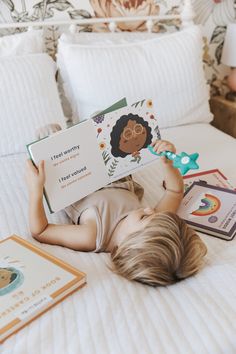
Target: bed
{"points": [[112, 315]]}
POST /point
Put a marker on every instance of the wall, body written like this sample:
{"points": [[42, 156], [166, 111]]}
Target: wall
{"points": [[214, 15]]}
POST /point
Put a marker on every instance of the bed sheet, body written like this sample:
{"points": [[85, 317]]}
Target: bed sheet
{"points": [[112, 315]]}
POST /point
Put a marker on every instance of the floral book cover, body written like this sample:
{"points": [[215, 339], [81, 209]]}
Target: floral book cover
{"points": [[210, 209], [95, 152], [26, 292]]}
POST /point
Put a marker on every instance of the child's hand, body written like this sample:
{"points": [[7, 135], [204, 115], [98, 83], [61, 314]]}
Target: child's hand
{"points": [[35, 177], [163, 145]]}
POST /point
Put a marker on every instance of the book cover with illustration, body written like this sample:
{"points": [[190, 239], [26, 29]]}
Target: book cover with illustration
{"points": [[210, 209], [95, 152], [26, 292], [214, 177]]}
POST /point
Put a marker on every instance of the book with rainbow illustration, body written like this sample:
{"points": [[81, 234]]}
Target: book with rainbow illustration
{"points": [[210, 209], [31, 282]]}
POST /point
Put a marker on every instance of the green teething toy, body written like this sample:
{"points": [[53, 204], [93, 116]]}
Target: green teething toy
{"points": [[184, 162]]}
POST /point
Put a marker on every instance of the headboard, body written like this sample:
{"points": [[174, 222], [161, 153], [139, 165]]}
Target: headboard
{"points": [[172, 20], [185, 16]]}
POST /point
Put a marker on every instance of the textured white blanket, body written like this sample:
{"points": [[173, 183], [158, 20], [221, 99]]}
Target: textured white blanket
{"points": [[112, 315]]}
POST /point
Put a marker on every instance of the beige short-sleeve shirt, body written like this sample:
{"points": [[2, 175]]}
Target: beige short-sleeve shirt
{"points": [[110, 204]]}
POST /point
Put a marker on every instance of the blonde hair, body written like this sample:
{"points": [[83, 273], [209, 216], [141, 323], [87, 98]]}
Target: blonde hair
{"points": [[164, 252]]}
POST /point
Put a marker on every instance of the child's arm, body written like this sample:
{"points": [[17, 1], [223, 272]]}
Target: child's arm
{"points": [[77, 237], [173, 180]]}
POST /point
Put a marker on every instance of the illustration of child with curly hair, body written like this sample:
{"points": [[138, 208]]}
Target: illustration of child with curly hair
{"points": [[129, 135], [10, 279], [7, 276]]}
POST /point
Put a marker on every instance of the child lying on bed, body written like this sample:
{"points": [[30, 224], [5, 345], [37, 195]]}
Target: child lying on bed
{"points": [[150, 245]]}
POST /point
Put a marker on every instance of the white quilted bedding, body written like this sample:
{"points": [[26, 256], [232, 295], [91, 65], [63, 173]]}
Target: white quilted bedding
{"points": [[112, 315]]}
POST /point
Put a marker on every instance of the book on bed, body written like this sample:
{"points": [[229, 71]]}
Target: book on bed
{"points": [[95, 152], [214, 177], [210, 209], [31, 282]]}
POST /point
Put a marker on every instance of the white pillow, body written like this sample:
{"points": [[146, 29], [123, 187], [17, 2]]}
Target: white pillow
{"points": [[105, 38], [93, 39], [166, 68], [22, 43], [28, 99]]}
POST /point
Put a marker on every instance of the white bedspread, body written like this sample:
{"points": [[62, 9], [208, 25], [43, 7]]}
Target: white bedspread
{"points": [[112, 315]]}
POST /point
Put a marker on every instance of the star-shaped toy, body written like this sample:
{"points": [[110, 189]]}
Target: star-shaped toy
{"points": [[186, 162], [183, 161]]}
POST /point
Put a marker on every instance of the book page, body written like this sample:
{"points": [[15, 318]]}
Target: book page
{"points": [[123, 137], [74, 166]]}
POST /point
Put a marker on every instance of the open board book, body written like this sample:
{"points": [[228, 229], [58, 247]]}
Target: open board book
{"points": [[210, 209], [31, 282], [95, 152]]}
